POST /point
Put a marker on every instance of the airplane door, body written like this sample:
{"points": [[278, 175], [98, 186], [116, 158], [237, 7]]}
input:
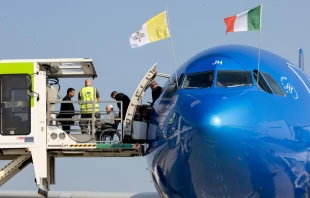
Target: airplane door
{"points": [[129, 124]]}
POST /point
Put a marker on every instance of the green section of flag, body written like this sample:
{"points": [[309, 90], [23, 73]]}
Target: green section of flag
{"points": [[254, 16]]}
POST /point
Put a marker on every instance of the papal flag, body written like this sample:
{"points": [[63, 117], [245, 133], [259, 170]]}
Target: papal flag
{"points": [[153, 30], [249, 20]]}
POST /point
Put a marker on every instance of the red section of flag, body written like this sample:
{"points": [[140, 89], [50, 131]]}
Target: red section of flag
{"points": [[230, 23]]}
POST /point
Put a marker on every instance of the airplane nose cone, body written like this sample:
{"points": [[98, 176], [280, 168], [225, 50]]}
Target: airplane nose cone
{"points": [[211, 151], [215, 151]]}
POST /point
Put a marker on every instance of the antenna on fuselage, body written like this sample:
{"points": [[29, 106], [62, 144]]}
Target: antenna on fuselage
{"points": [[170, 38], [301, 59], [260, 38]]}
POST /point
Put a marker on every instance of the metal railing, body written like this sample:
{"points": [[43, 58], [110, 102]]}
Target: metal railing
{"points": [[96, 122]]}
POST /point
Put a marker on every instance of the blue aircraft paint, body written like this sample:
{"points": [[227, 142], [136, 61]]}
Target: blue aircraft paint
{"points": [[236, 142]]}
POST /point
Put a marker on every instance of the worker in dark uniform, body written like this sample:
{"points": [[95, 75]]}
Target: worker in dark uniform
{"points": [[121, 97], [67, 110], [156, 91]]}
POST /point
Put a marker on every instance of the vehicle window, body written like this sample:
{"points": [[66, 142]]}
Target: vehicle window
{"points": [[198, 80], [230, 78], [180, 79], [15, 105], [261, 82], [169, 90], [172, 88], [273, 84]]}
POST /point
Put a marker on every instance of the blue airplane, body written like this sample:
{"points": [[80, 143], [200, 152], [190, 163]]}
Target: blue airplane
{"points": [[228, 128], [224, 126]]}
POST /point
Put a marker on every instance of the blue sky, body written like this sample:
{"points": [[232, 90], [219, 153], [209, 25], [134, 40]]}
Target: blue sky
{"points": [[100, 30]]}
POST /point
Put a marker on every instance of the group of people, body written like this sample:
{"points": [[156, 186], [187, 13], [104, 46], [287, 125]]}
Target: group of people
{"points": [[88, 94]]}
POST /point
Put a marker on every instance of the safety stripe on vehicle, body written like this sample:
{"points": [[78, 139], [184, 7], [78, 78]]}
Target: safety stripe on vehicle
{"points": [[17, 165], [83, 145]]}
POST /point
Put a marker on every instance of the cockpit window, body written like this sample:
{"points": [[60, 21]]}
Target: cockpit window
{"points": [[261, 81], [230, 78], [273, 84], [198, 80]]}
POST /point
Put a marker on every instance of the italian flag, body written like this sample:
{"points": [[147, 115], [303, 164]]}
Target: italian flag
{"points": [[249, 20]]}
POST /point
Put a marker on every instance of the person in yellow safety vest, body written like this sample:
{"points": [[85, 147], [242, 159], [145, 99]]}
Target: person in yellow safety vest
{"points": [[88, 93]]}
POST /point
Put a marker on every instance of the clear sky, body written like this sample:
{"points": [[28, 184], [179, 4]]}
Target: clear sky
{"points": [[99, 29]]}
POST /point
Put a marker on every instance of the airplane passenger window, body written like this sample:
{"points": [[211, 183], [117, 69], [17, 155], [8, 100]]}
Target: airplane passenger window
{"points": [[198, 80], [233, 78], [273, 84]]}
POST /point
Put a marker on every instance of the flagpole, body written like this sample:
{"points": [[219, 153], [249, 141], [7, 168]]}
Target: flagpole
{"points": [[260, 35], [170, 37]]}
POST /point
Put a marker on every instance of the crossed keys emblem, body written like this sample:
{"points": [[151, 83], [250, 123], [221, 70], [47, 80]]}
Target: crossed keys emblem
{"points": [[138, 35]]}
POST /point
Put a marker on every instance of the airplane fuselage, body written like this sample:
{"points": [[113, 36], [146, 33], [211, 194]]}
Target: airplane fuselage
{"points": [[229, 137]]}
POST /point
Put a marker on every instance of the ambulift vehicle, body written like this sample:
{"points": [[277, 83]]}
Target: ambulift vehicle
{"points": [[30, 131]]}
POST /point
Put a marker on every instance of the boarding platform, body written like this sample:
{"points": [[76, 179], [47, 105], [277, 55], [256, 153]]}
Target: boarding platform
{"points": [[31, 128]]}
